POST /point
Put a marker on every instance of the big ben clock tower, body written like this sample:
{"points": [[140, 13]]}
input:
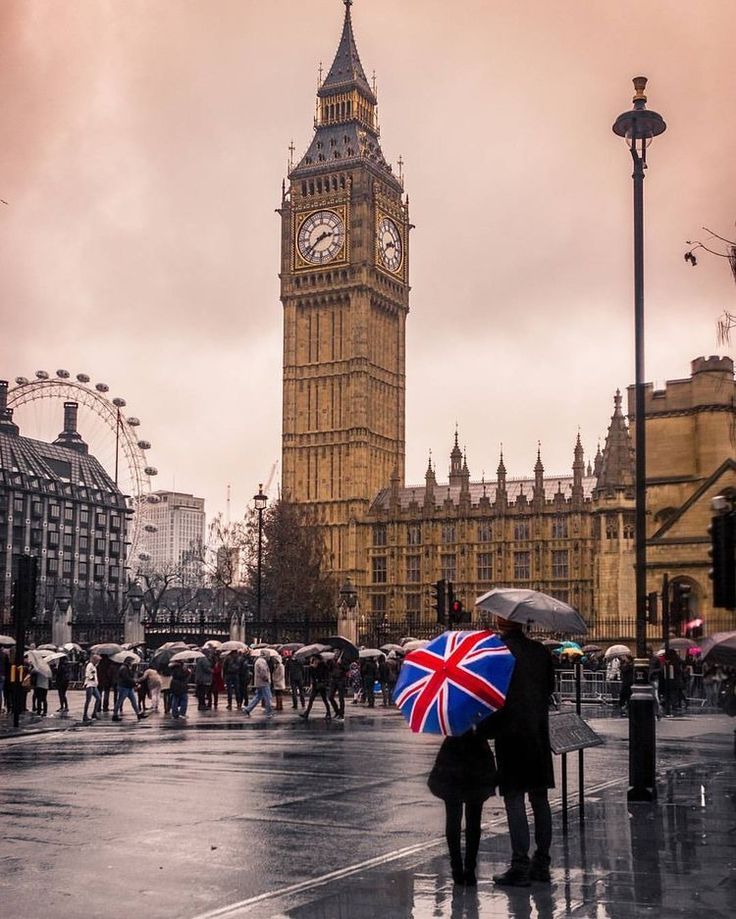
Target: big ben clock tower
{"points": [[345, 293]]}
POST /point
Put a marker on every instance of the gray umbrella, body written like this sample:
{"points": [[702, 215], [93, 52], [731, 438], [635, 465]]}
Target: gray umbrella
{"points": [[720, 648], [532, 608], [6, 641], [310, 651], [347, 649]]}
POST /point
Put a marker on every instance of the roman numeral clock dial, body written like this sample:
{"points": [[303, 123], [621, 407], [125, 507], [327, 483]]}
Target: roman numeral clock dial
{"points": [[390, 246], [321, 237]]}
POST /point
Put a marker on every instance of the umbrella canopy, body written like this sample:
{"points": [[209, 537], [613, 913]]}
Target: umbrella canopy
{"points": [[414, 644], [591, 649], [38, 663], [347, 649], [290, 647], [47, 647], [532, 607], [370, 652], [186, 656], [213, 644], [161, 659], [71, 646], [720, 648], [263, 651], [682, 644], [552, 643], [407, 638], [55, 656], [233, 646], [617, 651], [122, 656], [176, 645], [310, 651], [106, 649], [454, 683], [389, 647], [571, 652], [6, 641]]}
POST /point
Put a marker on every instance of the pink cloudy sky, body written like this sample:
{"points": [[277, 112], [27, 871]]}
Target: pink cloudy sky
{"points": [[144, 146]]}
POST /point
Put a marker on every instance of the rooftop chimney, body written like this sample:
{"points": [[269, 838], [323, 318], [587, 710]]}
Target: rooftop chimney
{"points": [[70, 437], [6, 414]]}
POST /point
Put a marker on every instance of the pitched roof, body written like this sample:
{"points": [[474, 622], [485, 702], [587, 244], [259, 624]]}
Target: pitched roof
{"points": [[617, 461], [346, 70]]}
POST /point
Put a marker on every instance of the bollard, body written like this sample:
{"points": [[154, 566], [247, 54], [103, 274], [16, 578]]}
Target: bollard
{"points": [[642, 736]]}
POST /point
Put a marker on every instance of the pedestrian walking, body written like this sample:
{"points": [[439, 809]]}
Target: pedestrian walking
{"points": [[218, 681], [383, 680], [295, 674], [153, 682], [178, 689], [279, 683], [627, 684], [369, 672], [464, 777], [91, 690], [231, 676], [107, 674], [355, 682], [244, 674], [338, 684], [319, 674], [40, 683], [262, 687], [521, 734], [203, 682], [126, 690], [63, 675], [392, 674]]}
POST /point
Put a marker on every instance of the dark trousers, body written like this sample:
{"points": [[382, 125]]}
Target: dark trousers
{"points": [[368, 693], [40, 702], [297, 690], [519, 827], [338, 689], [61, 688], [232, 686], [106, 697], [204, 695], [322, 693], [453, 824]]}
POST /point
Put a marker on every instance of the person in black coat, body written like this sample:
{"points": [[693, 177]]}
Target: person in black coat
{"points": [[524, 755], [463, 776]]}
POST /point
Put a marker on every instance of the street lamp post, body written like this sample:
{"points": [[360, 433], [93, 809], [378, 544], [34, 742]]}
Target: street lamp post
{"points": [[639, 126], [260, 500]]}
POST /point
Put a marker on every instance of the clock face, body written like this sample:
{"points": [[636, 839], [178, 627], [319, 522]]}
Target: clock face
{"points": [[389, 244], [321, 237]]}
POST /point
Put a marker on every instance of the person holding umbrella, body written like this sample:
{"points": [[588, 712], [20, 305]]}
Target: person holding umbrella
{"points": [[318, 668], [126, 687], [521, 733], [91, 690], [261, 686]]}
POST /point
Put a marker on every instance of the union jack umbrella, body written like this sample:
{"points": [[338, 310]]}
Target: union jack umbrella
{"points": [[454, 683]]}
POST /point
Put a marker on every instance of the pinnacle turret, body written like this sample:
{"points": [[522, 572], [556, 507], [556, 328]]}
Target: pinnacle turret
{"points": [[617, 461]]}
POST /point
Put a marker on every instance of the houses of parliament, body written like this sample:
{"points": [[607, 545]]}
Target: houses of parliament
{"points": [[345, 256]]}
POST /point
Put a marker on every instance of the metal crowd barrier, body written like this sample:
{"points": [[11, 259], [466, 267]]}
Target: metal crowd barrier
{"points": [[594, 687]]}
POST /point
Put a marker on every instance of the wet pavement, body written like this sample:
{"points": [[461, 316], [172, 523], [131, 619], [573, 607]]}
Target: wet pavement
{"points": [[223, 816]]}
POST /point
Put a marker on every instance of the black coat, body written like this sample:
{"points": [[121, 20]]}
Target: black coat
{"points": [[521, 727], [464, 770]]}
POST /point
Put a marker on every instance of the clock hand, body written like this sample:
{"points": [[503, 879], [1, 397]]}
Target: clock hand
{"points": [[319, 239]]}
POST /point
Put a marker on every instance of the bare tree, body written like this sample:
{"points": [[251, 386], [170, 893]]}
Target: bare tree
{"points": [[723, 248]]}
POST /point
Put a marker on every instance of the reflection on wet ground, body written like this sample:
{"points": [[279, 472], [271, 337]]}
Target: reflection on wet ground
{"points": [[323, 821]]}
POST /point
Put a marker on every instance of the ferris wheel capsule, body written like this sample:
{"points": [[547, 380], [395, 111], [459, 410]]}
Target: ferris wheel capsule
{"points": [[102, 387], [83, 378], [153, 499], [151, 528], [63, 374], [21, 381], [42, 374], [134, 422], [151, 470], [144, 556], [120, 403], [144, 444]]}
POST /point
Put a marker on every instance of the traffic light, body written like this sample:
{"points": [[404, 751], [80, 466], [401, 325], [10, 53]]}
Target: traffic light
{"points": [[456, 612], [652, 607], [450, 597], [25, 590], [680, 605], [723, 554], [439, 600]]}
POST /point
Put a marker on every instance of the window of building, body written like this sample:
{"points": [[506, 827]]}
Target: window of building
{"points": [[448, 566], [485, 566], [560, 563], [54, 511], [100, 521], [485, 531], [522, 566], [84, 517], [563, 595], [380, 535], [114, 574], [115, 548], [18, 505], [36, 538], [611, 526], [99, 572], [559, 528], [521, 529], [378, 604], [69, 512], [413, 569], [82, 571], [68, 540], [115, 522], [628, 527], [414, 534], [413, 604], [66, 567], [53, 540], [448, 533], [379, 569], [99, 546], [84, 543], [52, 566], [37, 509]]}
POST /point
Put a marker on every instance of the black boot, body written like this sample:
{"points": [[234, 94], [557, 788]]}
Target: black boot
{"points": [[513, 877]]}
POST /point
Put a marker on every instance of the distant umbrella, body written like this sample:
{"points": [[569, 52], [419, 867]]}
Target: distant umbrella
{"points": [[233, 646], [347, 649], [106, 649], [720, 648], [310, 651], [617, 651], [47, 647], [186, 656], [414, 643], [370, 652], [122, 656], [6, 641], [531, 607]]}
